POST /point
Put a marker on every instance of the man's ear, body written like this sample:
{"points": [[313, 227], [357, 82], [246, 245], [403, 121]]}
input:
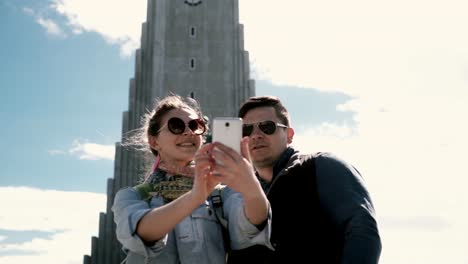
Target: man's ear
{"points": [[290, 134]]}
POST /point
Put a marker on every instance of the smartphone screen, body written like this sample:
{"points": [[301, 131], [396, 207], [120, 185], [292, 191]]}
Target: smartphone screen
{"points": [[228, 130]]}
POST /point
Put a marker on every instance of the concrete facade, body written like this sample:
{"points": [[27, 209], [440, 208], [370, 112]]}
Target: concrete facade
{"points": [[189, 47]]}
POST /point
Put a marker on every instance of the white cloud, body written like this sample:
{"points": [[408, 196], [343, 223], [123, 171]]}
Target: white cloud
{"points": [[51, 27], [48, 24], [74, 216], [119, 22], [358, 46], [85, 150], [92, 151]]}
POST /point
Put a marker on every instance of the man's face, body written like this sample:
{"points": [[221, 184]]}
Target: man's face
{"points": [[265, 149]]}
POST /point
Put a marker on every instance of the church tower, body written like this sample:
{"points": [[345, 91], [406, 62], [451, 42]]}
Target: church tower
{"points": [[188, 47]]}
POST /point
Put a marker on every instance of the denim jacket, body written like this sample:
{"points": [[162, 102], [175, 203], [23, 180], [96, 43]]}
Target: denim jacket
{"points": [[197, 238]]}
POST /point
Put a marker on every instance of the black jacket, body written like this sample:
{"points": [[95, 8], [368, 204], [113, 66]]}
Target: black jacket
{"points": [[321, 213]]}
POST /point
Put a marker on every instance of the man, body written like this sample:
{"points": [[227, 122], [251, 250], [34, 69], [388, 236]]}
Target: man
{"points": [[322, 212]]}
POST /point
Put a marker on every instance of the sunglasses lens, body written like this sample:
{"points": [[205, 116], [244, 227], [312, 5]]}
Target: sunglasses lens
{"points": [[247, 130], [176, 125], [197, 126], [267, 127]]}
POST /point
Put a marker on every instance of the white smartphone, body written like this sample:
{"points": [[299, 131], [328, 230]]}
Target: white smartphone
{"points": [[228, 130]]}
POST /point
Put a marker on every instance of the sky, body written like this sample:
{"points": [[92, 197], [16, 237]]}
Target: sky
{"points": [[382, 84]]}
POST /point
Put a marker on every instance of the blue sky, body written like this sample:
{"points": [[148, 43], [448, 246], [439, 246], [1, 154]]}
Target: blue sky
{"points": [[384, 85], [57, 90]]}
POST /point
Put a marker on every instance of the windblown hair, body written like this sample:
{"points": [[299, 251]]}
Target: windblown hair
{"points": [[151, 121]]}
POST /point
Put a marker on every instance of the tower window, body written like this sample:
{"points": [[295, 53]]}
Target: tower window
{"points": [[193, 32], [193, 2], [192, 64]]}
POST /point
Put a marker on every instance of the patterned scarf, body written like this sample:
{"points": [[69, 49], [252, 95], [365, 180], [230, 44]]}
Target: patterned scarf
{"points": [[169, 187]]}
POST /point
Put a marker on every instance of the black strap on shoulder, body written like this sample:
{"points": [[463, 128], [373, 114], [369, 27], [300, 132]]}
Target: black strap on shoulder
{"points": [[217, 203]]}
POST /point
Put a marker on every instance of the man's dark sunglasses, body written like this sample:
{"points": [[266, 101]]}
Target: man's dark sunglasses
{"points": [[177, 126], [267, 127]]}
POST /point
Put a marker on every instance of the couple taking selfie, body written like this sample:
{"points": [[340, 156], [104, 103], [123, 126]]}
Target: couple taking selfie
{"points": [[268, 203]]}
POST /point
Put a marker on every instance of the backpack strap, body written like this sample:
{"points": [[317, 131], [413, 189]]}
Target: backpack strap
{"points": [[216, 199], [217, 202]]}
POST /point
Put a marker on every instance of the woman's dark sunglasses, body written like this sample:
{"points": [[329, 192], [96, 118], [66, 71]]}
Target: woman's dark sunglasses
{"points": [[177, 126], [267, 127]]}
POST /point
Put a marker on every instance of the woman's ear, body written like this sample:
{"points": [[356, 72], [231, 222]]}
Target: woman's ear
{"points": [[152, 141], [290, 134]]}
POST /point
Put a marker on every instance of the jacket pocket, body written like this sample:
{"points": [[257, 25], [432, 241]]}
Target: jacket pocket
{"points": [[201, 223]]}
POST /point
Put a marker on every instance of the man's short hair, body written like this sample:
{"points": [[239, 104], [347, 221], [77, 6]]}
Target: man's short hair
{"points": [[266, 101]]}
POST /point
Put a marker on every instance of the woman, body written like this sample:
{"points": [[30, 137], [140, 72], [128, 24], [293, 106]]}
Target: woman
{"points": [[170, 218]]}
